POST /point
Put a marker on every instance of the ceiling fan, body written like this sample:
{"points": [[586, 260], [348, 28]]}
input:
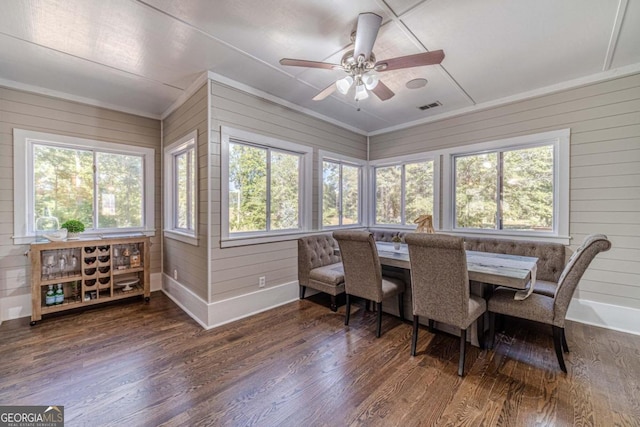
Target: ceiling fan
{"points": [[360, 63]]}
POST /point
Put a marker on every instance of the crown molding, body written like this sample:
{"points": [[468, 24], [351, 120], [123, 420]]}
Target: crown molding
{"points": [[186, 94]]}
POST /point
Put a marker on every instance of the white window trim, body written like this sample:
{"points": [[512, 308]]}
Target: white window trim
{"points": [[560, 140], [184, 143], [362, 192], [399, 160], [23, 180], [305, 191]]}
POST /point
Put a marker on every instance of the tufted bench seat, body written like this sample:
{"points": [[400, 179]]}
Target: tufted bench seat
{"points": [[385, 235], [319, 267], [551, 258]]}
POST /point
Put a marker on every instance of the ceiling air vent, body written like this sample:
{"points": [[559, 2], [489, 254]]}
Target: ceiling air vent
{"points": [[429, 106]]}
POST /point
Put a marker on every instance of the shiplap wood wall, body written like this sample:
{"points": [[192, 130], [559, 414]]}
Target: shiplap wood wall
{"points": [[40, 113], [191, 261], [235, 271], [605, 168]]}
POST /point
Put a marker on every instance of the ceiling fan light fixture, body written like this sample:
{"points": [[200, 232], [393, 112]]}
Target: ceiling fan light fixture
{"points": [[344, 84], [370, 81], [361, 93]]}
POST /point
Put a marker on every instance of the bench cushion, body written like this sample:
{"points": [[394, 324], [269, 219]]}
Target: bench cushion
{"points": [[332, 274], [544, 287]]}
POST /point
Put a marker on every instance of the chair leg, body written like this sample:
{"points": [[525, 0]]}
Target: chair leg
{"points": [[480, 331], [334, 306], [303, 289], [401, 306], [557, 343], [565, 346], [431, 327], [379, 328], [414, 337], [463, 346], [492, 329], [348, 307]]}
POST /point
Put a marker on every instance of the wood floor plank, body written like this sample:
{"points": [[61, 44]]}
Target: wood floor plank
{"points": [[298, 365]]}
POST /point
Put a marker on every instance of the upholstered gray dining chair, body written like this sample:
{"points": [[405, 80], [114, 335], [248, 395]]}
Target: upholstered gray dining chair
{"points": [[363, 273], [550, 310], [440, 287]]}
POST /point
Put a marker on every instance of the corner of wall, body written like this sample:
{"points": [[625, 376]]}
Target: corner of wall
{"points": [[218, 313], [189, 302]]}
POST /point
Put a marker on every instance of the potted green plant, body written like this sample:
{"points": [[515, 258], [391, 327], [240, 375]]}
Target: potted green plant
{"points": [[396, 242], [74, 228]]}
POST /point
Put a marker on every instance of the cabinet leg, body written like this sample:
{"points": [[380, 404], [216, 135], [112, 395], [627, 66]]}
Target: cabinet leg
{"points": [[33, 323], [147, 299]]}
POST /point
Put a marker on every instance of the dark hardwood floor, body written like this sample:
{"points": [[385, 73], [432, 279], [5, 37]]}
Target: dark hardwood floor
{"points": [[136, 364]]}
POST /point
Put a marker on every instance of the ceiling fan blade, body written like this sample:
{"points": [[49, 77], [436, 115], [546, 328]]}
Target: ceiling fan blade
{"points": [[382, 91], [417, 60], [366, 33], [309, 64], [325, 92]]}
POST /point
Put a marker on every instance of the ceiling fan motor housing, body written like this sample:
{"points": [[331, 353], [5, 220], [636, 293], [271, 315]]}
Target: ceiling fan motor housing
{"points": [[357, 66]]}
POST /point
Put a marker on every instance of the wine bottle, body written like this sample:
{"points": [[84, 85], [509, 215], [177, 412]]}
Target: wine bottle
{"points": [[59, 296], [50, 298]]}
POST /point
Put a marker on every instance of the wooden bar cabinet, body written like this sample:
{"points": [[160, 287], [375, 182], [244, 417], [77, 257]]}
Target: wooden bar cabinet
{"points": [[88, 272]]}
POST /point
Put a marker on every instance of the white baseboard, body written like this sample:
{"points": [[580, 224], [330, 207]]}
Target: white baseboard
{"points": [[211, 315], [156, 282], [14, 307], [618, 318], [231, 309]]}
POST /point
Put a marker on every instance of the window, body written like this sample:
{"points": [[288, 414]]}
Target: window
{"points": [[516, 186], [181, 201], [264, 189], [266, 186], [108, 187], [404, 190], [341, 191]]}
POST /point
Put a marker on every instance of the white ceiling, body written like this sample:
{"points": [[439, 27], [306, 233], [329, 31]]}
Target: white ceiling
{"points": [[141, 56]]}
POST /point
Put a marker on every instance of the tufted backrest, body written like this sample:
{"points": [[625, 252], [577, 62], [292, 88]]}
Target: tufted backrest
{"points": [[362, 270], [550, 255], [577, 265], [385, 235], [439, 277], [315, 251]]}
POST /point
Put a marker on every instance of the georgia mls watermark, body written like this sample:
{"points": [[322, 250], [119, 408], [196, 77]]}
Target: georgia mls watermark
{"points": [[31, 416]]}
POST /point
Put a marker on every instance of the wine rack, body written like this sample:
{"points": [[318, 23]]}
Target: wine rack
{"points": [[89, 272]]}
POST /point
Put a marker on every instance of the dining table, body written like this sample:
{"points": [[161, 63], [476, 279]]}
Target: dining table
{"points": [[513, 271]]}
